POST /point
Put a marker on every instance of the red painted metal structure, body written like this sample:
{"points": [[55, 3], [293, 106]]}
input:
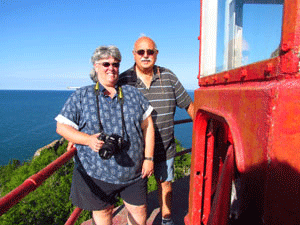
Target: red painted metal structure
{"points": [[247, 131]]}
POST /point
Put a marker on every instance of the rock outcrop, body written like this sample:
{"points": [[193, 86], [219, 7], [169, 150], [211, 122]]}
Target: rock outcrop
{"points": [[55, 144]]}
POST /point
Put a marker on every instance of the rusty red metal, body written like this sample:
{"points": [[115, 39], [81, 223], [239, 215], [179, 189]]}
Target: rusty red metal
{"points": [[221, 203], [260, 71], [33, 182], [197, 169], [290, 40], [263, 120], [259, 104], [74, 216], [208, 172], [206, 161]]}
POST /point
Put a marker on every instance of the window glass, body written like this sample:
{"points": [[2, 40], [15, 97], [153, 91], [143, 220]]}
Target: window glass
{"points": [[246, 32], [261, 31]]}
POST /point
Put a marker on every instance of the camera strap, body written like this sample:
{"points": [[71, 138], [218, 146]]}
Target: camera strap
{"points": [[121, 102]]}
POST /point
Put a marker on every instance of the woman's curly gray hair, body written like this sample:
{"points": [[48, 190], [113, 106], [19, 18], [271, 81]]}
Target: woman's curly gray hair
{"points": [[101, 53]]}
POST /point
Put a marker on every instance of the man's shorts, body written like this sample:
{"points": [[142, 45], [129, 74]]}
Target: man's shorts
{"points": [[91, 194], [164, 171]]}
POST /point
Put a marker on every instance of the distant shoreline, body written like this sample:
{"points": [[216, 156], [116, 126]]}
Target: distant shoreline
{"points": [[55, 144]]}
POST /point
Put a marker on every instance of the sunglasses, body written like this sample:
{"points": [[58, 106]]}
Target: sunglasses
{"points": [[141, 52], [107, 64]]}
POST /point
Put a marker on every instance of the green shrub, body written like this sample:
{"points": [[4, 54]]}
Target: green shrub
{"points": [[49, 203], [182, 163]]}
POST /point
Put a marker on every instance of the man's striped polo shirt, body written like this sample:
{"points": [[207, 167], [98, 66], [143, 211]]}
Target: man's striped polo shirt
{"points": [[165, 93]]}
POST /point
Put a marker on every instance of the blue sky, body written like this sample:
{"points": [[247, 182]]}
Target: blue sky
{"points": [[47, 44]]}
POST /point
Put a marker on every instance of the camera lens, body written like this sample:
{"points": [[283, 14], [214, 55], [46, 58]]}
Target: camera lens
{"points": [[110, 147], [107, 150]]}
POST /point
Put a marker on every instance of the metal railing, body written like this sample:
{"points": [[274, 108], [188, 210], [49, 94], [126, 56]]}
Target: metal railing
{"points": [[34, 181]]}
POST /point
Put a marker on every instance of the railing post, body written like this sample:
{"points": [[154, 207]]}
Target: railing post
{"points": [[74, 216]]}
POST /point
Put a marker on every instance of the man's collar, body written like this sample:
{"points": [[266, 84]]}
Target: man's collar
{"points": [[155, 71]]}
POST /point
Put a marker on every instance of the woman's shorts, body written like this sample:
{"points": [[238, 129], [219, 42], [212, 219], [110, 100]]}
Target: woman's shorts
{"points": [[91, 194]]}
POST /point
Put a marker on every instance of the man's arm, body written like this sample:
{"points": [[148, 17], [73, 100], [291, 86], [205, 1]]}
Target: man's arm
{"points": [[77, 137], [190, 110], [148, 132]]}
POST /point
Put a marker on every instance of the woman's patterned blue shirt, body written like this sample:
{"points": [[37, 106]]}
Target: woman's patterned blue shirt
{"points": [[80, 111]]}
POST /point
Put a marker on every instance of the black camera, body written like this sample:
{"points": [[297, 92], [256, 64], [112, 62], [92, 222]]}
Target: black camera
{"points": [[112, 144]]}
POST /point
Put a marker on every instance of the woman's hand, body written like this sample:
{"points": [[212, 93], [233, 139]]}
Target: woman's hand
{"points": [[148, 168], [94, 143], [70, 145], [77, 137]]}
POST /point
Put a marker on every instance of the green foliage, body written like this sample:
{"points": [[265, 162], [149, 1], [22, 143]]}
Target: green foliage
{"points": [[49, 203], [182, 163], [152, 185]]}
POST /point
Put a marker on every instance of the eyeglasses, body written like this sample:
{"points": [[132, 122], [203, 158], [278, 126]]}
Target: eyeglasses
{"points": [[141, 52], [107, 64]]}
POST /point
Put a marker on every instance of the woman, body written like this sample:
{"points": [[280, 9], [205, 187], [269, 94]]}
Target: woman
{"points": [[113, 131]]}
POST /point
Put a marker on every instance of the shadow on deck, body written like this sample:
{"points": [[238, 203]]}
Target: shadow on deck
{"points": [[179, 208]]}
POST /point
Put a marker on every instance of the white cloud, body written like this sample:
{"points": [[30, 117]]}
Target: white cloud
{"points": [[245, 46]]}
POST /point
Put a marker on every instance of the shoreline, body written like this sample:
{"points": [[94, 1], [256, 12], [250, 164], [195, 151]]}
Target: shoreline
{"points": [[54, 144]]}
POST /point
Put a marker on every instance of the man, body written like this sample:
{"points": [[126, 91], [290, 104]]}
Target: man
{"points": [[112, 128], [164, 92]]}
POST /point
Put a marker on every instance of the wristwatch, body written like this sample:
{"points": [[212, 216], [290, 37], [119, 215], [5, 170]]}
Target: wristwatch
{"points": [[149, 158]]}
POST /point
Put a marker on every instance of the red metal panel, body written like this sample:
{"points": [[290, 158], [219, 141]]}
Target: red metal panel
{"points": [[259, 71], [197, 169], [221, 203], [283, 181], [246, 109], [285, 129], [290, 40], [263, 118], [260, 104], [208, 173]]}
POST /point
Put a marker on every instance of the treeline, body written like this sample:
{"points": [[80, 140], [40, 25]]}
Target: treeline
{"points": [[49, 203]]}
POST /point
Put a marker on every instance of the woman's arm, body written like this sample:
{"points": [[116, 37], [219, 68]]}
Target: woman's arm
{"points": [[148, 132], [77, 137]]}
